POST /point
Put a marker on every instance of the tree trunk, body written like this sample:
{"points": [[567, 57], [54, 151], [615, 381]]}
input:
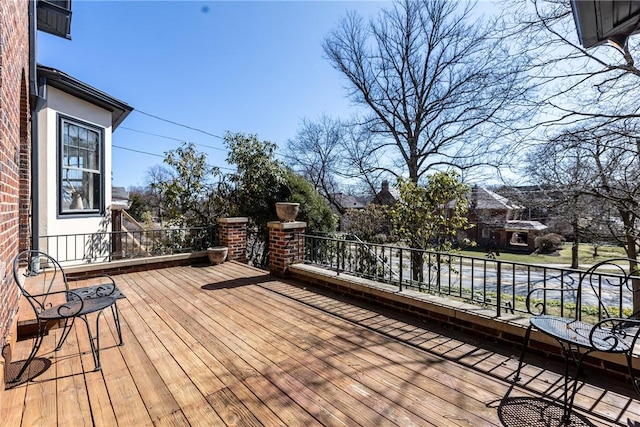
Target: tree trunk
{"points": [[417, 266], [576, 246]]}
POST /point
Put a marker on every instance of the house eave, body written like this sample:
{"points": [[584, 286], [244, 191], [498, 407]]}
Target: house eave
{"points": [[59, 80], [601, 21], [519, 225]]}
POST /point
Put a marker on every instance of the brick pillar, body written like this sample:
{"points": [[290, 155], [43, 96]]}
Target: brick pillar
{"points": [[285, 246], [232, 233]]}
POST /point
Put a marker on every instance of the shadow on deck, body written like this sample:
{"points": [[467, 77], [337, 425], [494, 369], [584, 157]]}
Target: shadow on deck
{"points": [[232, 345]]}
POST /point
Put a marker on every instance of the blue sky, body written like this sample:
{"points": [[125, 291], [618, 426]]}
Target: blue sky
{"points": [[241, 66], [253, 67]]}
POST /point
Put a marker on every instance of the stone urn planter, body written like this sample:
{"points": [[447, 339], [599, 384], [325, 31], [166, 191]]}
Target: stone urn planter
{"points": [[287, 211], [217, 254]]}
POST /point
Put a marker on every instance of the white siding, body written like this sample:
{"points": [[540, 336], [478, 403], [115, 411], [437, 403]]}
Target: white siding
{"points": [[49, 221]]}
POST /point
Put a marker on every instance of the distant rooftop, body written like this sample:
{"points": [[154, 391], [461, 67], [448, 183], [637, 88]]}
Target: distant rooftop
{"points": [[485, 199]]}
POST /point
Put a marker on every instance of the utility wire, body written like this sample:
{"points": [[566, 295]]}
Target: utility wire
{"points": [[179, 124], [186, 127], [137, 151], [172, 138], [159, 155]]}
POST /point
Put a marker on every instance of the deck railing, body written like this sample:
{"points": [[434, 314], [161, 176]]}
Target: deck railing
{"points": [[110, 246], [488, 282]]}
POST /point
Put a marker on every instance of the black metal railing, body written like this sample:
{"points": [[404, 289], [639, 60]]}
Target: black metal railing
{"points": [[488, 282], [116, 245]]}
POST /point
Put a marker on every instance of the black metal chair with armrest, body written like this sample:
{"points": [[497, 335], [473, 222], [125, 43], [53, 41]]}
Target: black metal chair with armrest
{"points": [[52, 300], [609, 330], [106, 288]]}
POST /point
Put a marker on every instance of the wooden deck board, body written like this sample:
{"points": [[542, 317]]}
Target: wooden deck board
{"points": [[347, 361], [230, 345], [234, 336], [41, 398], [73, 399], [182, 393]]}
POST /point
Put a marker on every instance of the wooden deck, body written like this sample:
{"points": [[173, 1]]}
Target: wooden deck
{"points": [[230, 345]]}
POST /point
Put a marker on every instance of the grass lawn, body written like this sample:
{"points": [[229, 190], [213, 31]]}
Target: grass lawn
{"points": [[585, 255]]}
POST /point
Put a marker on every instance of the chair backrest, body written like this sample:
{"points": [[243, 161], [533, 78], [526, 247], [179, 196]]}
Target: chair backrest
{"points": [[611, 286], [38, 275]]}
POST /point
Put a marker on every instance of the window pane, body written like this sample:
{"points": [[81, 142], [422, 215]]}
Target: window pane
{"points": [[73, 157], [80, 171], [94, 151], [81, 190], [73, 135]]}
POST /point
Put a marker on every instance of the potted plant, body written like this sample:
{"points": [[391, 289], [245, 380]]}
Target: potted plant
{"points": [[217, 254], [287, 211]]}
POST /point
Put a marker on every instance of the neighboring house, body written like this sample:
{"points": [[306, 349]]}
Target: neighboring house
{"points": [[346, 202], [387, 195], [74, 126], [497, 222]]}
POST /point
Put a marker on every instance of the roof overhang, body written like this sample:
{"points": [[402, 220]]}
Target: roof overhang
{"points": [[56, 78], [54, 17], [518, 225], [601, 21]]}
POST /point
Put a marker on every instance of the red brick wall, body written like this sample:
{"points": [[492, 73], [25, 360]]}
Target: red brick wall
{"points": [[285, 245], [14, 149], [232, 233]]}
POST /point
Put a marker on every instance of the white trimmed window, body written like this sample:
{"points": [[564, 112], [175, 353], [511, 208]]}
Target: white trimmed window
{"points": [[81, 165]]}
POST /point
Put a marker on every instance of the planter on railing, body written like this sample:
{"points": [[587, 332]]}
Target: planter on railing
{"points": [[217, 254], [287, 211]]}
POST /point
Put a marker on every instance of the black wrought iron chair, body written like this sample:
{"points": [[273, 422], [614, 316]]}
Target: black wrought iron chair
{"points": [[609, 325], [49, 295]]}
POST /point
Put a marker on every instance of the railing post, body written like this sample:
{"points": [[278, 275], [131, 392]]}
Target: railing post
{"points": [[438, 271], [498, 288], [400, 275], [340, 249], [285, 247], [232, 233]]}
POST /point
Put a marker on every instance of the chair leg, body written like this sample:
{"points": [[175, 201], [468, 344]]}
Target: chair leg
{"points": [[525, 344], [568, 399], [116, 318], [632, 374], [94, 340], [65, 332], [34, 350]]}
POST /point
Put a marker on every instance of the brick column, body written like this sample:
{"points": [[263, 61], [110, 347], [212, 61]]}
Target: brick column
{"points": [[285, 246], [232, 233]]}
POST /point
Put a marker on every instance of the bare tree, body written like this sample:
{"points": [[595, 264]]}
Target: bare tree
{"points": [[438, 88], [317, 153], [337, 157], [575, 85], [597, 172]]}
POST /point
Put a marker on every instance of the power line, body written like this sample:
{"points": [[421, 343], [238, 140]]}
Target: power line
{"points": [[150, 133], [159, 155], [178, 124], [172, 138], [187, 127], [137, 151]]}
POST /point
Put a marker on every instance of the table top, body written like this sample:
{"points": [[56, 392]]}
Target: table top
{"points": [[578, 333]]}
